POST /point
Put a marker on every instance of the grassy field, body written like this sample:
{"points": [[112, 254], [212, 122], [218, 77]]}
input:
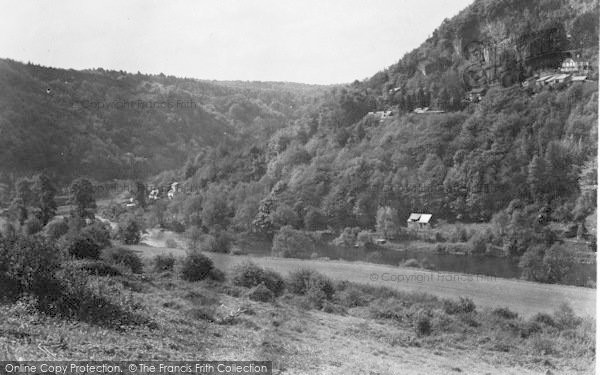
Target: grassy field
{"points": [[524, 297], [212, 320]]}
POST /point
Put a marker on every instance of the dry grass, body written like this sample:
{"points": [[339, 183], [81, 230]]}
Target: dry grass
{"points": [[374, 334]]}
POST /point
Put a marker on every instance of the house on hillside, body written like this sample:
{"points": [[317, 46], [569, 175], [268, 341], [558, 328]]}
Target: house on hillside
{"points": [[570, 65], [419, 221], [381, 115], [426, 111], [475, 95]]}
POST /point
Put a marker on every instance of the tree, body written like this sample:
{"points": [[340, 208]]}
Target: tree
{"points": [[532, 263], [536, 178], [22, 200], [129, 231], [82, 197], [387, 222], [315, 220], [285, 215], [44, 193], [558, 262], [140, 193]]}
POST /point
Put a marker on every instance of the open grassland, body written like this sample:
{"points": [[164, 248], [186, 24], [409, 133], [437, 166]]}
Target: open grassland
{"points": [[524, 297]]}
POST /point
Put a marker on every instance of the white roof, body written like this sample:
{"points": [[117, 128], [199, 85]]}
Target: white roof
{"points": [[425, 218], [561, 76], [414, 217], [420, 218], [578, 78]]}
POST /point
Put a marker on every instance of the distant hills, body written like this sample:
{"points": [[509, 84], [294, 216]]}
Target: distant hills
{"points": [[108, 124]]}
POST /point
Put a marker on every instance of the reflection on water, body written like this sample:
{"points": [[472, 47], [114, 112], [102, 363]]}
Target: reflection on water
{"points": [[482, 265]]}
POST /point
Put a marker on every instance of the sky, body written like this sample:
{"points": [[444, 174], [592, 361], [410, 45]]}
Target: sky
{"points": [[308, 41]]}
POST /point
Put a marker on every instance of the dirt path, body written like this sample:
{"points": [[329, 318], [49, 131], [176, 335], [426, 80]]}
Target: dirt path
{"points": [[524, 297]]}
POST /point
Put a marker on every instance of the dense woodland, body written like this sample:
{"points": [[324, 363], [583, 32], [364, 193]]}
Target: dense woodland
{"points": [[258, 157]]}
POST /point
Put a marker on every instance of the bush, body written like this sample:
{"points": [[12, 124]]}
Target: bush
{"points": [[125, 257], [544, 318], [291, 243], [216, 275], [352, 297], [174, 226], [565, 317], [505, 313], [261, 293], [76, 298], [423, 326], [171, 243], [463, 306], [129, 231], [56, 229], [478, 243], [82, 247], [164, 263], [218, 243], [99, 232], [97, 267], [302, 281], [27, 265], [249, 275], [542, 345], [196, 266]]}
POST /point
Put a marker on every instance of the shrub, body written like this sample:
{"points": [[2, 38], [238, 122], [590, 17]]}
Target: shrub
{"points": [[27, 265], [194, 236], [388, 308], [218, 243], [129, 231], [291, 243], [544, 318], [56, 229], [261, 293], [565, 317], [249, 275], [423, 326], [463, 306], [216, 275], [82, 247], [195, 266], [174, 226], [364, 238], [164, 262], [332, 308], [301, 281], [171, 243], [125, 257], [478, 243], [542, 345], [97, 267], [351, 297], [504, 313], [76, 298], [99, 232]]}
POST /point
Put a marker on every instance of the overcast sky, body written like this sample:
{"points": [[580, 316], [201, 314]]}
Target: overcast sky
{"points": [[310, 41]]}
